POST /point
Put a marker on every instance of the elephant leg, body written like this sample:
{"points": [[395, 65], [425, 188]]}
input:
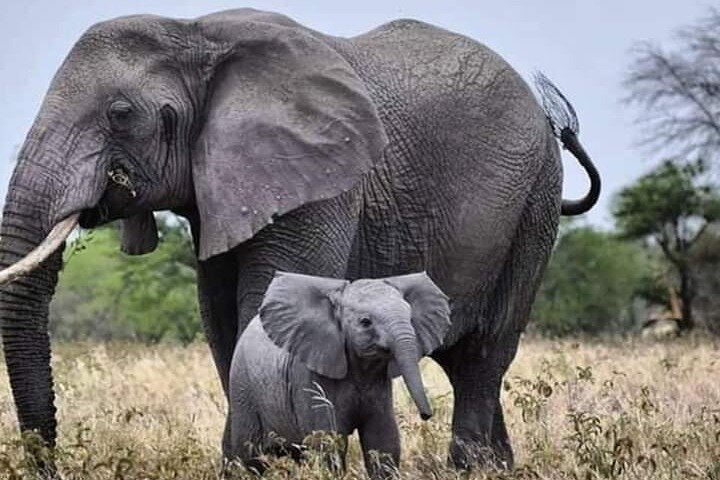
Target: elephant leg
{"points": [[334, 459], [217, 284], [476, 388], [475, 368], [500, 439], [380, 441], [245, 440], [477, 362], [217, 280], [518, 284]]}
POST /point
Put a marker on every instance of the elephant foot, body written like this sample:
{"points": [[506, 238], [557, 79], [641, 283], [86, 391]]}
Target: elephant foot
{"points": [[256, 466], [48, 471], [42, 461], [238, 468], [468, 454]]}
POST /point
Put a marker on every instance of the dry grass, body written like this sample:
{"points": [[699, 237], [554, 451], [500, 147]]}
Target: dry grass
{"points": [[626, 410]]}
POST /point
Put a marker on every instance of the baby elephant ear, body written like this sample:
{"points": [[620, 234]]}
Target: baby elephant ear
{"points": [[139, 234], [298, 316], [430, 308]]}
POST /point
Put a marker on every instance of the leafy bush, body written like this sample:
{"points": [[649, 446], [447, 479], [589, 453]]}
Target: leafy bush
{"points": [[105, 294], [590, 283]]}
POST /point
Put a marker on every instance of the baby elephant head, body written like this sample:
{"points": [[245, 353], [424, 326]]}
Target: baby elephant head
{"points": [[321, 321]]}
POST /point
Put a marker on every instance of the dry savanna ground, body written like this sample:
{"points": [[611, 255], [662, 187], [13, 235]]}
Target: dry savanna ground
{"points": [[616, 409]]}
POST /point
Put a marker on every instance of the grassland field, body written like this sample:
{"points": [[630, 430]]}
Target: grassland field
{"points": [[613, 409]]}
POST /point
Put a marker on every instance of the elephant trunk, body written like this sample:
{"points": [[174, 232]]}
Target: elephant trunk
{"points": [[407, 357], [23, 315], [49, 245], [24, 298]]}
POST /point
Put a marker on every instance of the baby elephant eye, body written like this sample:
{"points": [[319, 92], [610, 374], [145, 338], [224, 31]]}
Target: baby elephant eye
{"points": [[365, 322]]}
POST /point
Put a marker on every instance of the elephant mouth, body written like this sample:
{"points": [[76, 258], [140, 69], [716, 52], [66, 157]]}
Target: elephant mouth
{"points": [[374, 352], [106, 210], [118, 197], [95, 216]]}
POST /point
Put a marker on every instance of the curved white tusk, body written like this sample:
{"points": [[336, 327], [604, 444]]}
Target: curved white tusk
{"points": [[51, 243]]}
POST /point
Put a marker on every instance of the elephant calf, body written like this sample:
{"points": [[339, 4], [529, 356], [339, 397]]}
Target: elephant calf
{"points": [[318, 339]]}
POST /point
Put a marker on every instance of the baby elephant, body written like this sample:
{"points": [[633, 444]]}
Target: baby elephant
{"points": [[316, 337]]}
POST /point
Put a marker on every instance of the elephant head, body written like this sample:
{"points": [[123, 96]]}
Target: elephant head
{"points": [[323, 321], [237, 116]]}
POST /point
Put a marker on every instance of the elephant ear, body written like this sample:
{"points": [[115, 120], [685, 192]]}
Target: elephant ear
{"points": [[288, 122], [298, 315], [430, 309], [139, 234]]}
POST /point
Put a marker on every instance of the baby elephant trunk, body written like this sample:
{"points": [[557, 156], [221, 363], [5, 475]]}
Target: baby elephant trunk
{"points": [[406, 355]]}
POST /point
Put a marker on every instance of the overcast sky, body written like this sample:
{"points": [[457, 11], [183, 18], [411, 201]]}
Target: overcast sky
{"points": [[582, 45]]}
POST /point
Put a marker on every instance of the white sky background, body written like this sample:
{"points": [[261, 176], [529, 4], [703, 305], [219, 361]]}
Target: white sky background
{"points": [[583, 46]]}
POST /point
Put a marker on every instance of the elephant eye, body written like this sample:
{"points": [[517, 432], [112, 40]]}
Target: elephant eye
{"points": [[119, 114], [365, 322]]}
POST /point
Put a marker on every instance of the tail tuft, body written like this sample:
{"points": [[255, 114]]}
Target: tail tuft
{"points": [[560, 113], [564, 123]]}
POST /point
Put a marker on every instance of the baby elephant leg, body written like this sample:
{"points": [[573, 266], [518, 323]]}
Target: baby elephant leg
{"points": [[246, 440], [380, 441], [332, 452]]}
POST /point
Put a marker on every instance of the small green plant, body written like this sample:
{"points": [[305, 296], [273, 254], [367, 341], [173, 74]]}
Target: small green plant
{"points": [[81, 242], [531, 395], [603, 450]]}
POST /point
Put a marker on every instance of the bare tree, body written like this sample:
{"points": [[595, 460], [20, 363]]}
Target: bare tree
{"points": [[678, 91]]}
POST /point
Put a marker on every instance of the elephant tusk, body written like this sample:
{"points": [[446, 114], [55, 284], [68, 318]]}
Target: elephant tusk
{"points": [[51, 243]]}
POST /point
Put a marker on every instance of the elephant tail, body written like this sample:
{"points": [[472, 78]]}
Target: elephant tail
{"points": [[564, 123]]}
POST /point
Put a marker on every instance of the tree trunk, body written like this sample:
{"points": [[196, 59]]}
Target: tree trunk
{"points": [[687, 294]]}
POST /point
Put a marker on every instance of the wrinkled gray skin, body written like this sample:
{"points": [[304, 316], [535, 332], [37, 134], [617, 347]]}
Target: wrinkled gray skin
{"points": [[317, 334], [404, 149]]}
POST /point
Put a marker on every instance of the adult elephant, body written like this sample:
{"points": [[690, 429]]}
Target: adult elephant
{"points": [[407, 148]]}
